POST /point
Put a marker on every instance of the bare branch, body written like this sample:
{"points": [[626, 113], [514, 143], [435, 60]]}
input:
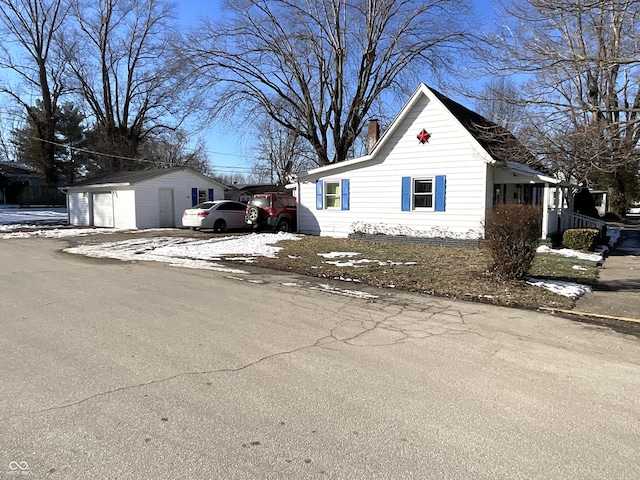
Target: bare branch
{"points": [[316, 67]]}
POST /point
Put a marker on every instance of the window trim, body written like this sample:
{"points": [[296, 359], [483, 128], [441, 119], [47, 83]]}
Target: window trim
{"points": [[431, 194], [336, 196]]}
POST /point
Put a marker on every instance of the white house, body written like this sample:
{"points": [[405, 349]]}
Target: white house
{"points": [[436, 172], [139, 199]]}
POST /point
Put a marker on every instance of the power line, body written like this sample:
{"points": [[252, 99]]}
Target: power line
{"points": [[217, 168]]}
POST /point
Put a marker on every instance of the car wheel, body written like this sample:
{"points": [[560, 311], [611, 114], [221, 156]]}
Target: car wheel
{"points": [[220, 225], [283, 226], [253, 214]]}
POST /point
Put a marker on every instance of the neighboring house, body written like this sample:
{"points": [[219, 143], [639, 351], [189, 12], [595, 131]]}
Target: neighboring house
{"points": [[21, 185], [243, 193], [140, 199], [436, 172]]}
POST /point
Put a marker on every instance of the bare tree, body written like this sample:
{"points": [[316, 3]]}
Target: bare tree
{"points": [[499, 102], [174, 149], [282, 153], [317, 66], [581, 64], [123, 69], [30, 55]]}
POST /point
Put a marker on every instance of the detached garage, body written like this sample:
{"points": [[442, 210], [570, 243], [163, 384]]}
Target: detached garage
{"points": [[141, 199]]}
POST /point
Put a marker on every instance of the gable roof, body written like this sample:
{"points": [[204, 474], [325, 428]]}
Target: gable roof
{"points": [[496, 142], [499, 142], [131, 177]]}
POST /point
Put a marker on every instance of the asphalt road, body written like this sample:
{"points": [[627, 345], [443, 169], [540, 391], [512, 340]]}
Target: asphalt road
{"points": [[112, 370]]}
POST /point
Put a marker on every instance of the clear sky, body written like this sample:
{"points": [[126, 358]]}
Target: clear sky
{"points": [[228, 150]]}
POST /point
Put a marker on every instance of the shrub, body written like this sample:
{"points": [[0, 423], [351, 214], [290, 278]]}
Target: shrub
{"points": [[581, 238], [511, 234]]}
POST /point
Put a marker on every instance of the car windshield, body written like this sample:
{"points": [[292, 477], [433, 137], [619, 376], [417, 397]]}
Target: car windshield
{"points": [[205, 205], [261, 202]]}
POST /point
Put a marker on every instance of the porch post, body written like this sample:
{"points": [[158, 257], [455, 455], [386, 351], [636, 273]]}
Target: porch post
{"points": [[545, 211], [567, 213]]}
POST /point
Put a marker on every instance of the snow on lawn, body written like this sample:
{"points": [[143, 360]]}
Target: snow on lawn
{"points": [[12, 217], [356, 263], [567, 252], [566, 289], [187, 252], [596, 256], [55, 232]]}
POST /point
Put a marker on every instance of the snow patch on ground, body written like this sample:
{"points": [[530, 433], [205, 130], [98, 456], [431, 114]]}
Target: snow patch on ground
{"points": [[12, 217], [188, 253], [566, 252], [54, 232], [338, 254], [566, 289], [325, 287], [359, 262]]}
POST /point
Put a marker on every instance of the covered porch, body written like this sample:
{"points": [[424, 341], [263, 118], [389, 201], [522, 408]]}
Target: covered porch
{"points": [[518, 184]]}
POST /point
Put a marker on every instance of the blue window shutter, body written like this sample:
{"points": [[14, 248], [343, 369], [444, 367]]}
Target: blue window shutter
{"points": [[441, 183], [194, 196], [406, 194], [210, 194], [319, 199], [344, 194]]}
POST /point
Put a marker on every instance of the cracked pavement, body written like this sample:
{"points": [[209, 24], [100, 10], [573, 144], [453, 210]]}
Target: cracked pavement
{"points": [[142, 370]]}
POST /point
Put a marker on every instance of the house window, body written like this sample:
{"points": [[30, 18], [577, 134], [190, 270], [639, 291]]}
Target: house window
{"points": [[332, 194], [200, 195], [423, 193]]}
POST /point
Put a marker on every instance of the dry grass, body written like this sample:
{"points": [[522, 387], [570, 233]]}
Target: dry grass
{"points": [[442, 271]]}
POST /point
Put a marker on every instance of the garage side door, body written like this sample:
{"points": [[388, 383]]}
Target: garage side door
{"points": [[103, 210], [165, 205]]}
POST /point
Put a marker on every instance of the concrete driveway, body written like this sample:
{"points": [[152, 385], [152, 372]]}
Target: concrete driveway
{"points": [[144, 371]]}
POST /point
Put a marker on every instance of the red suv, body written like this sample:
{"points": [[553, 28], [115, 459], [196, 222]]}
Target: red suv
{"points": [[272, 210]]}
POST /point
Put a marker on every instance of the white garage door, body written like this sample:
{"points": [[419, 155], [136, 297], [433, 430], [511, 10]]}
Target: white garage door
{"points": [[103, 210]]}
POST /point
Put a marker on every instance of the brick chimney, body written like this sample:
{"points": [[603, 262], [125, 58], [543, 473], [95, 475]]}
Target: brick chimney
{"points": [[373, 134]]}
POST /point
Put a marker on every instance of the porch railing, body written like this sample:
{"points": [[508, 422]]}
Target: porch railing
{"points": [[577, 220]]}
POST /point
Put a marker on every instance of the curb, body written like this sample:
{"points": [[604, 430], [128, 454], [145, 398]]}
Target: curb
{"points": [[590, 315]]}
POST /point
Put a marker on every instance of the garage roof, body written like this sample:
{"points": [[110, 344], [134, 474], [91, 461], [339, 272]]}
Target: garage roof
{"points": [[129, 178]]}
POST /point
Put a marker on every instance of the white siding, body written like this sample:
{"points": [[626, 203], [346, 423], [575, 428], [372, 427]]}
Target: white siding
{"points": [[375, 186], [146, 197], [78, 208]]}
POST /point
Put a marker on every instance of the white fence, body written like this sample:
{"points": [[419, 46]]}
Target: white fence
{"points": [[576, 220]]}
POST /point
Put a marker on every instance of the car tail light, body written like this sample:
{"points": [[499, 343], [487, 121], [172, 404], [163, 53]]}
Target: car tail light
{"points": [[203, 214]]}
